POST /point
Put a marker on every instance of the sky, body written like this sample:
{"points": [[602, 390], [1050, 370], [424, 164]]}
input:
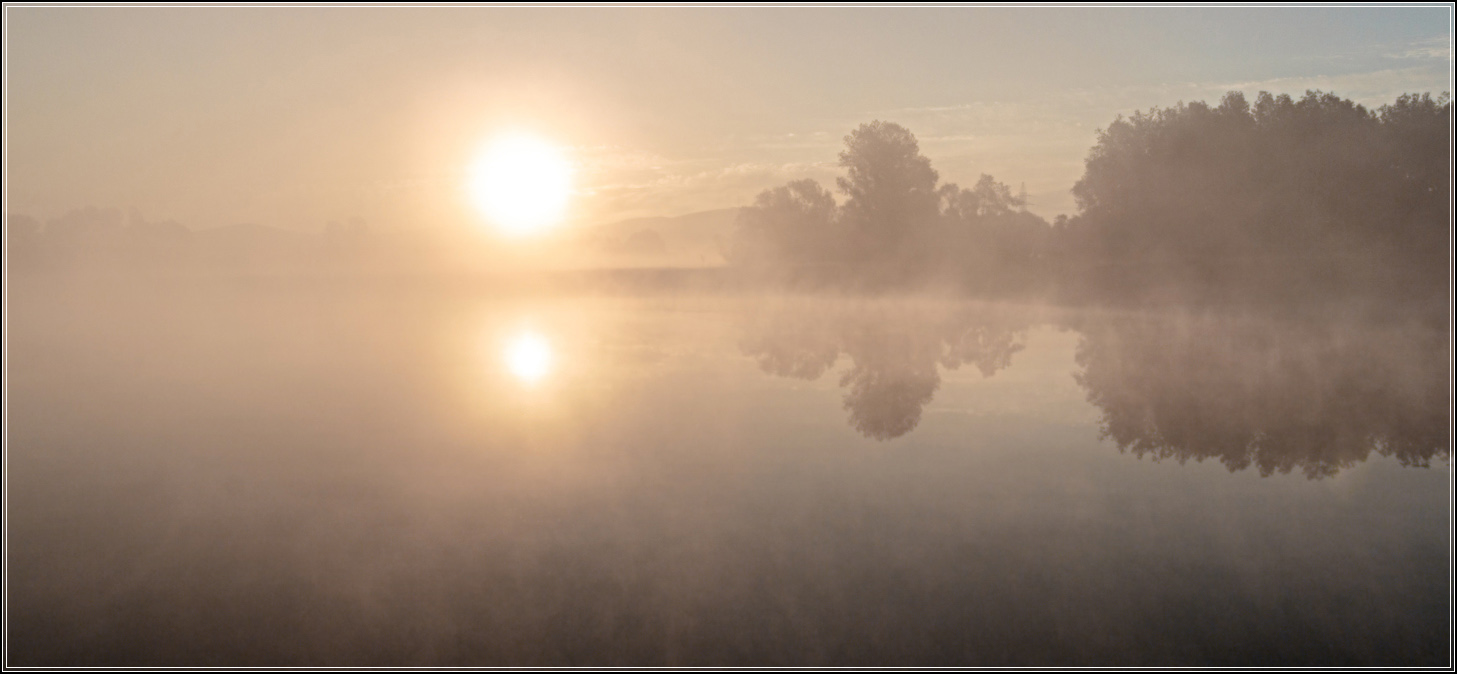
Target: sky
{"points": [[297, 116]]}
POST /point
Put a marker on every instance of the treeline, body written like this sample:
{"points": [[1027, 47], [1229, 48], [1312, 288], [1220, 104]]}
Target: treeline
{"points": [[898, 227], [1280, 201], [107, 239]]}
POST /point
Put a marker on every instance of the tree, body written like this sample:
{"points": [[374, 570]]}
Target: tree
{"points": [[891, 200], [1283, 199], [896, 227], [794, 225], [993, 244]]}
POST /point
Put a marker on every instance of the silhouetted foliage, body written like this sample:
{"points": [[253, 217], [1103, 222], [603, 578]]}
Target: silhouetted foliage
{"points": [[1283, 200], [891, 203], [1277, 202], [93, 237], [894, 356], [790, 231], [897, 227], [989, 241], [1317, 396]]}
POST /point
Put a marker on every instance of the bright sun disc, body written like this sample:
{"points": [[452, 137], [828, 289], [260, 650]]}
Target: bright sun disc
{"points": [[528, 356], [521, 183]]}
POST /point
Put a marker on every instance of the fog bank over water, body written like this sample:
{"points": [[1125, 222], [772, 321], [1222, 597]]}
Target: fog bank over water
{"points": [[728, 336], [1278, 203], [275, 474]]}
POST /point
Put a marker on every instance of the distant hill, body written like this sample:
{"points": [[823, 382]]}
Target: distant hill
{"points": [[695, 239]]}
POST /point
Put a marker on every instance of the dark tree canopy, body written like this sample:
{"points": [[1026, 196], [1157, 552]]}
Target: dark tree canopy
{"points": [[1278, 202], [1285, 199], [795, 224], [890, 190], [897, 227]]}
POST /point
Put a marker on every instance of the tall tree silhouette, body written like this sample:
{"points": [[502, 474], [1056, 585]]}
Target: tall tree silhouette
{"points": [[897, 227], [891, 201]]}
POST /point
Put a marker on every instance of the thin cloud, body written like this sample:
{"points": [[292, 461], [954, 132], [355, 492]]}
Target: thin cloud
{"points": [[1434, 48]]}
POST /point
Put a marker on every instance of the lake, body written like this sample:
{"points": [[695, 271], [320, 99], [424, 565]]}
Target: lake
{"points": [[255, 473]]}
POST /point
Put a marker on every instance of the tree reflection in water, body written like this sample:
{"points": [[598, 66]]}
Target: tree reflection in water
{"points": [[894, 354], [1277, 395]]}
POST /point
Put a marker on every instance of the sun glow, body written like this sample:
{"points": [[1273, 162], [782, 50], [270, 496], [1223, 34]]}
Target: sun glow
{"points": [[521, 184], [528, 356]]}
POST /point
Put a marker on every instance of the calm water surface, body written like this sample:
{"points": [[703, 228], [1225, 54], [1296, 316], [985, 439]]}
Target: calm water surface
{"points": [[279, 475]]}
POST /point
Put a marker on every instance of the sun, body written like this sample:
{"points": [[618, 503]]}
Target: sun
{"points": [[521, 183], [528, 356]]}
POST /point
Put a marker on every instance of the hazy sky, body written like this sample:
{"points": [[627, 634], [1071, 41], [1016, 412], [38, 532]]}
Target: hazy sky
{"points": [[297, 116]]}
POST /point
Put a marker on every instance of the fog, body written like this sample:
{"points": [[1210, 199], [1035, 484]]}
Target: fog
{"points": [[1281, 203], [266, 474], [871, 406]]}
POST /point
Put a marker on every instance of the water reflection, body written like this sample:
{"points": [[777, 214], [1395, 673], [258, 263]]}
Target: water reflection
{"points": [[1275, 395], [528, 356], [894, 354], [1278, 395], [301, 478]]}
